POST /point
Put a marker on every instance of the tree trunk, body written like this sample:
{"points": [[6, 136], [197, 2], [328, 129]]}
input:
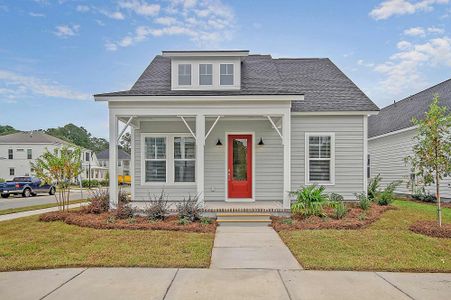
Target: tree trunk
{"points": [[437, 194]]}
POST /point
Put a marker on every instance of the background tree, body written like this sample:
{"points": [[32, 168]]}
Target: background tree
{"points": [[59, 168], [126, 142], [431, 157], [78, 136], [6, 129]]}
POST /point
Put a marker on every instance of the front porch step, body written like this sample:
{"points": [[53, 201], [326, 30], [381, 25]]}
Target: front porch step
{"points": [[243, 219]]}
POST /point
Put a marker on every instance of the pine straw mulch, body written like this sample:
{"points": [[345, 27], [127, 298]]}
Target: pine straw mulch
{"points": [[431, 228], [108, 220], [353, 220]]}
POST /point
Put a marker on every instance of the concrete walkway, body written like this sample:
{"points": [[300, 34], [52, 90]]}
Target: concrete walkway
{"points": [[34, 212], [251, 247], [143, 283]]}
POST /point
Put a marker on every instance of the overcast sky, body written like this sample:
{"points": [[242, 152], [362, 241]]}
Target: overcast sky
{"points": [[55, 54]]}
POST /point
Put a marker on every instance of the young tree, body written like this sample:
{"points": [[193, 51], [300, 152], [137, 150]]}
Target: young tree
{"points": [[431, 157], [60, 168]]}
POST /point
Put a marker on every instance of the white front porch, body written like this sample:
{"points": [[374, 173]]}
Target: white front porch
{"points": [[206, 125]]}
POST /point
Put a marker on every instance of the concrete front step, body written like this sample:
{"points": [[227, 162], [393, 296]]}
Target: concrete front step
{"points": [[243, 219]]}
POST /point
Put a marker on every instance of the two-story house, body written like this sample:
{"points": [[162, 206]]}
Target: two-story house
{"points": [[123, 161], [234, 127], [17, 150]]}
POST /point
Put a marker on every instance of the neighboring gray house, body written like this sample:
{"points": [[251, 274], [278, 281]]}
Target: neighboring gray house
{"points": [[391, 135], [123, 161], [231, 126], [18, 149]]}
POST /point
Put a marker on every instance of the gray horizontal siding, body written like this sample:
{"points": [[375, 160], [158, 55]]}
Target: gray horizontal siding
{"points": [[387, 159], [348, 151]]}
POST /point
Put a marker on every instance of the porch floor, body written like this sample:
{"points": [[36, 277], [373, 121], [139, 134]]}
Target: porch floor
{"points": [[257, 206]]}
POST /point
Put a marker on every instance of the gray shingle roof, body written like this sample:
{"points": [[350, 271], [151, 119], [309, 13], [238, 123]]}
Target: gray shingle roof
{"points": [[105, 154], [324, 86], [399, 115], [35, 137]]}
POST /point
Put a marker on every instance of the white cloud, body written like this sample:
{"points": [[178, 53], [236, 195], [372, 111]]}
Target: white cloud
{"points": [[361, 62], [37, 15], [206, 23], [166, 21], [415, 31], [17, 86], [117, 15], [437, 30], [403, 45], [83, 8], [390, 8], [140, 7], [66, 30], [403, 69]]}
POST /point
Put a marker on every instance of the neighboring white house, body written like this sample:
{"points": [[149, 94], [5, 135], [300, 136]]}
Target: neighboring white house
{"points": [[123, 162], [17, 150], [391, 135], [234, 127]]}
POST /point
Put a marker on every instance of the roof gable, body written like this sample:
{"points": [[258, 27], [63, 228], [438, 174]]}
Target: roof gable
{"points": [[33, 137]]}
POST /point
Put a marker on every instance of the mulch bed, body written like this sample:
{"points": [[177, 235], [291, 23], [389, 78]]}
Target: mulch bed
{"points": [[352, 220], [431, 228], [108, 221]]}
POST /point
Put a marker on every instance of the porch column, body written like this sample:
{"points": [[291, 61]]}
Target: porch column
{"points": [[113, 120], [286, 133], [200, 145]]}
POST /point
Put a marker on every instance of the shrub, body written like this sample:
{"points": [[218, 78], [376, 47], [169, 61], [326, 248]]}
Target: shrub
{"points": [[184, 221], [362, 216], [425, 197], [386, 196], [310, 201], [2, 180], [111, 219], [334, 197], [100, 202], [124, 211], [90, 183], [189, 209], [158, 208], [364, 201], [373, 187], [205, 221], [287, 221], [123, 197], [105, 182], [340, 209]]}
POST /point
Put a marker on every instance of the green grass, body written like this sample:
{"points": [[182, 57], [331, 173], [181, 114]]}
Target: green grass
{"points": [[386, 245], [26, 243], [34, 207]]}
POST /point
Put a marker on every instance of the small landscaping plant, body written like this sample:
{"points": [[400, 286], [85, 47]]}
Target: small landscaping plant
{"points": [[205, 221], [287, 221], [424, 197], [124, 211], [184, 221], [373, 187], [158, 208], [189, 209], [100, 202], [339, 209], [386, 197], [310, 201], [364, 201], [334, 197]]}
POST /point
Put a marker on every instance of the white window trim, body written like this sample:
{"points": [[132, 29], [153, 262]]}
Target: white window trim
{"points": [[233, 74], [211, 74], [170, 178], [332, 158]]}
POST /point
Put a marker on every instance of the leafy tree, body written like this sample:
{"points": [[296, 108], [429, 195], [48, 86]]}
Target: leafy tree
{"points": [[126, 142], [431, 157], [6, 129], [60, 169]]}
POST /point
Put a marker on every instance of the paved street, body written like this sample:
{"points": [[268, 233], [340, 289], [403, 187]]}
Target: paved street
{"points": [[146, 283], [19, 201]]}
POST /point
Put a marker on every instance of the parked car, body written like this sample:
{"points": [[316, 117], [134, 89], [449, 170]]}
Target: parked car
{"points": [[26, 186]]}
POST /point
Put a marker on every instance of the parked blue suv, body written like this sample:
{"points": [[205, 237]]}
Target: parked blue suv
{"points": [[26, 186]]}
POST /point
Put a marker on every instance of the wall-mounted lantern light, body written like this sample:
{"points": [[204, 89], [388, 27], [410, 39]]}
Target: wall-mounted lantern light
{"points": [[260, 143], [218, 143]]}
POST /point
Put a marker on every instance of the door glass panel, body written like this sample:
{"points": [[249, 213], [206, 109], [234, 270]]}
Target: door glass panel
{"points": [[240, 159]]}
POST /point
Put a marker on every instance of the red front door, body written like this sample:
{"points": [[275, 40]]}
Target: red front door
{"points": [[239, 166]]}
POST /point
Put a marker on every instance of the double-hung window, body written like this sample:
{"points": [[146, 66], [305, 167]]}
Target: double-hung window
{"points": [[184, 74], [205, 74], [29, 153], [184, 159], [320, 158], [226, 74], [10, 154], [155, 159]]}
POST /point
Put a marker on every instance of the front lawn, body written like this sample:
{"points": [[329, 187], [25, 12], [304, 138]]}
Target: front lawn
{"points": [[386, 245], [26, 243]]}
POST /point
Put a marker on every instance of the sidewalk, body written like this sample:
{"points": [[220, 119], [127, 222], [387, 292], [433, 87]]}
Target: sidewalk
{"points": [[144, 283], [34, 212]]}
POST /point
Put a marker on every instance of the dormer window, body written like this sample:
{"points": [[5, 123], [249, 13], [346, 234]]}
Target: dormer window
{"points": [[184, 74], [226, 74], [205, 74]]}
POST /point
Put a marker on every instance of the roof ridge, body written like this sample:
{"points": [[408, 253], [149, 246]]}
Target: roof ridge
{"points": [[300, 58], [420, 92]]}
